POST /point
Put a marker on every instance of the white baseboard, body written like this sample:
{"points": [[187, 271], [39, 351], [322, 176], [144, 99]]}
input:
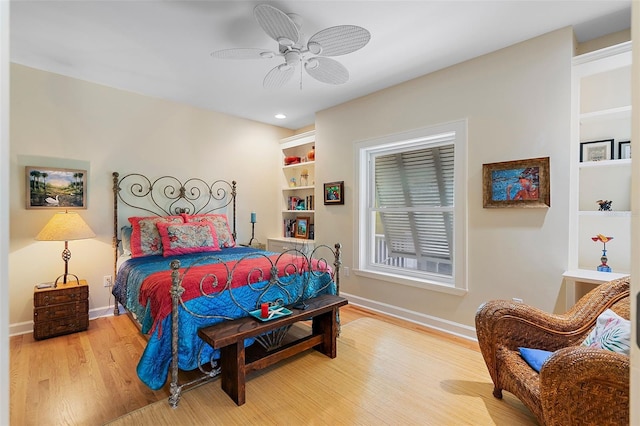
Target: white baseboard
{"points": [[429, 321], [27, 326]]}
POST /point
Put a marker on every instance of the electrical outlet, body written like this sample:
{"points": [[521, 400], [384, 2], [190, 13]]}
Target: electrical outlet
{"points": [[346, 271], [107, 281]]}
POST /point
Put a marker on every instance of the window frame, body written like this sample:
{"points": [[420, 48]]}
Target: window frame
{"points": [[365, 227]]}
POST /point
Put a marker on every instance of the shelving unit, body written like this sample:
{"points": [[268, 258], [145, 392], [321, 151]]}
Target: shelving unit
{"points": [[581, 281], [601, 111], [296, 187]]}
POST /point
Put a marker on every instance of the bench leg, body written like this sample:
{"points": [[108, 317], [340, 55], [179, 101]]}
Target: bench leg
{"points": [[327, 326], [232, 359]]}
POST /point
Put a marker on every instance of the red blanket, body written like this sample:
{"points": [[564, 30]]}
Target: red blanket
{"points": [[217, 277]]}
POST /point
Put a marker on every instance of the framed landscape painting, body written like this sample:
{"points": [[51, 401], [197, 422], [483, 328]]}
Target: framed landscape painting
{"points": [[521, 183], [49, 188], [302, 227]]}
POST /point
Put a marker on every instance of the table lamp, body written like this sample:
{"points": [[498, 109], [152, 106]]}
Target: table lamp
{"points": [[65, 226]]}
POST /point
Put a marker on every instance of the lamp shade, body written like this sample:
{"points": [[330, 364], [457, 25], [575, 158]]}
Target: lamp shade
{"points": [[65, 226]]}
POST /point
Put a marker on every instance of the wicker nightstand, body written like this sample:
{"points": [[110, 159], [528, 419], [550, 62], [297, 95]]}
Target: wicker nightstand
{"points": [[60, 310]]}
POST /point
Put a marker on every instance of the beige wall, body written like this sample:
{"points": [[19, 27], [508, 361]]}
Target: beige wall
{"points": [[517, 103], [58, 121]]}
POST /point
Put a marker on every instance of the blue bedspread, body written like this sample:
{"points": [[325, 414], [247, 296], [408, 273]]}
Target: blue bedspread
{"points": [[154, 364]]}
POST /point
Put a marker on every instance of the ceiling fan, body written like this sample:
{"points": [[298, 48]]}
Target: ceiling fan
{"points": [[310, 55]]}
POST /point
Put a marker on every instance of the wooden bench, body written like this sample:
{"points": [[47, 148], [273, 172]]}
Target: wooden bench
{"points": [[237, 361]]}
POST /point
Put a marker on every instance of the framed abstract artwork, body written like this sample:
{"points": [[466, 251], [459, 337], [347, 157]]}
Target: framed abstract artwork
{"points": [[520, 183], [334, 192]]}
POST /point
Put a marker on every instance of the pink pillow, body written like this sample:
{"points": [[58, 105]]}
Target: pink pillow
{"points": [[221, 224], [145, 239], [185, 238]]}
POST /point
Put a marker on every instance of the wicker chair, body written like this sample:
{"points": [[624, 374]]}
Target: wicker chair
{"points": [[577, 385]]}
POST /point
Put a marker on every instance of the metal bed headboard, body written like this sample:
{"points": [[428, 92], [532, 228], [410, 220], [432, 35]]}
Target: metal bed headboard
{"points": [[168, 195]]}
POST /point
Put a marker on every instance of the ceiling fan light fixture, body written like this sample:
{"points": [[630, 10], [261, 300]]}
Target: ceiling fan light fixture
{"points": [[267, 55], [292, 57], [284, 67]]}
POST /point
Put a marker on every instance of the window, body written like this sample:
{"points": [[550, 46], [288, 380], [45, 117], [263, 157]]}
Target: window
{"points": [[412, 207]]}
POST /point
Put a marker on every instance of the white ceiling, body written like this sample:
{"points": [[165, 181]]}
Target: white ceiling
{"points": [[162, 48]]}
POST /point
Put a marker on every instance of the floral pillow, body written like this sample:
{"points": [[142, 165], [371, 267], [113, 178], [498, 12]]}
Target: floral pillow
{"points": [[221, 224], [612, 332], [145, 239], [185, 238]]}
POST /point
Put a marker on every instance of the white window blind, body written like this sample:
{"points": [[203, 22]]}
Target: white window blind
{"points": [[414, 198]]}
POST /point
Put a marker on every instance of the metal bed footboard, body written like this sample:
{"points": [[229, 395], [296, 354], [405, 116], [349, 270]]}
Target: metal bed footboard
{"points": [[295, 267]]}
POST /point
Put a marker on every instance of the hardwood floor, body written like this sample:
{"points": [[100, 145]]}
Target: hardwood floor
{"points": [[86, 378], [90, 377]]}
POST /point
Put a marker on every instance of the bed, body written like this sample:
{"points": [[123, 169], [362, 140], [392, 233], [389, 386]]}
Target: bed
{"points": [[179, 268]]}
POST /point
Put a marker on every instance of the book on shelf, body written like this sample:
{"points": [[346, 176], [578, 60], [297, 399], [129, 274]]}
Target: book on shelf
{"points": [[299, 203], [309, 202], [289, 228]]}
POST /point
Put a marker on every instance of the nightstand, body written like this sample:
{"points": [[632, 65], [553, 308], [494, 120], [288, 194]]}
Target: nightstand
{"points": [[255, 245], [60, 310]]}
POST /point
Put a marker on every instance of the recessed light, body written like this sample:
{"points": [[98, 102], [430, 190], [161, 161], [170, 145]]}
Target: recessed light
{"points": [[280, 116]]}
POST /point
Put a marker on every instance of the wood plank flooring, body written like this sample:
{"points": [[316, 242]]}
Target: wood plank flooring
{"points": [[89, 378]]}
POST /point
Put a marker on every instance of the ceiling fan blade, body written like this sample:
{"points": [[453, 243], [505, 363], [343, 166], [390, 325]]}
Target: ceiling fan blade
{"points": [[278, 76], [327, 70], [243, 53], [277, 24], [339, 40]]}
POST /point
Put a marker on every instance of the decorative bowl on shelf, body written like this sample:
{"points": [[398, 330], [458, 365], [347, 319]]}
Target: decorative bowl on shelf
{"points": [[291, 160]]}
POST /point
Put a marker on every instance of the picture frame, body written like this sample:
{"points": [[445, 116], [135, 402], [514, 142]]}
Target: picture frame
{"points": [[334, 193], [596, 150], [55, 188], [516, 184], [302, 227], [624, 150]]}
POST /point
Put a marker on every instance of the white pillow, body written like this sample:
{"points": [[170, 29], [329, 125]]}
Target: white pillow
{"points": [[612, 332]]}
